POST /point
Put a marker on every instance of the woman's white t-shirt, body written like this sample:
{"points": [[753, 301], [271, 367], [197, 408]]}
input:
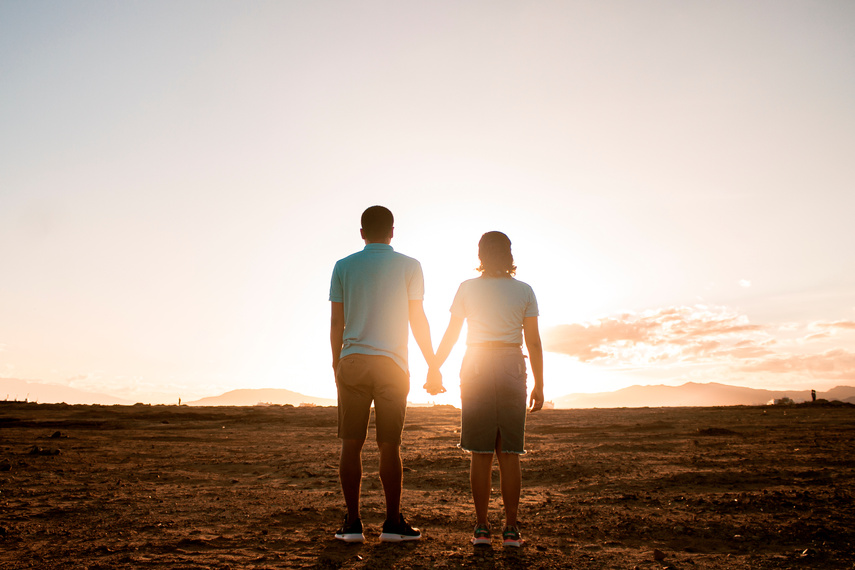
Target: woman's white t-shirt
{"points": [[494, 308]]}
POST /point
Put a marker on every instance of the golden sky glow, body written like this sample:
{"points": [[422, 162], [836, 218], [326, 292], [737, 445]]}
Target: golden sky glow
{"points": [[178, 179]]}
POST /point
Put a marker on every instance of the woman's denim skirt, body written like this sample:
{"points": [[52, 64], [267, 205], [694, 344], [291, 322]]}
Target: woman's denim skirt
{"points": [[493, 396]]}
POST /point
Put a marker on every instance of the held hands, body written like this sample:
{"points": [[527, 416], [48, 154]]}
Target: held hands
{"points": [[434, 386], [536, 399]]}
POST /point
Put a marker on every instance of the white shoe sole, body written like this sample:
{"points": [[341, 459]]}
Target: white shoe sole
{"points": [[388, 537], [351, 537]]}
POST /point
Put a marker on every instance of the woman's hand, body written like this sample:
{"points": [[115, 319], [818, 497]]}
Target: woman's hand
{"points": [[434, 382], [536, 399]]}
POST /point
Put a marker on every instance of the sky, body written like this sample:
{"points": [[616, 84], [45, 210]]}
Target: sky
{"points": [[177, 180]]}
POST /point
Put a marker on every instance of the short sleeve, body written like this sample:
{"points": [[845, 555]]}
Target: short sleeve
{"points": [[531, 304], [336, 289], [416, 284], [458, 308]]}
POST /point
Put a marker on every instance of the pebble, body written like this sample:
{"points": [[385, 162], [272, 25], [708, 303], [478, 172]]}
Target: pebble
{"points": [[36, 450]]}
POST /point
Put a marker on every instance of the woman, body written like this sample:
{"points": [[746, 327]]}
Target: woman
{"points": [[499, 311]]}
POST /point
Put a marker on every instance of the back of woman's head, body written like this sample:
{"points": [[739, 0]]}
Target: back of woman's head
{"points": [[494, 251]]}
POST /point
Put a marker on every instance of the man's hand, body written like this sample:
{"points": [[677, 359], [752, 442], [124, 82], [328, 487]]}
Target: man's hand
{"points": [[434, 386], [536, 399]]}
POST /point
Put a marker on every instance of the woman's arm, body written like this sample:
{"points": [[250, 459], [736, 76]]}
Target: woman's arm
{"points": [[449, 339], [535, 355]]}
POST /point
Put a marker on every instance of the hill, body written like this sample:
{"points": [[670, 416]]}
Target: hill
{"points": [[693, 394], [842, 393], [15, 389], [251, 397]]}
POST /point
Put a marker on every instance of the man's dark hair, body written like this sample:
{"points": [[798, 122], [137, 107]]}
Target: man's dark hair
{"points": [[377, 222]]}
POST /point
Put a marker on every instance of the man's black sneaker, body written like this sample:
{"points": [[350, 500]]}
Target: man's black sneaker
{"points": [[399, 531], [351, 531]]}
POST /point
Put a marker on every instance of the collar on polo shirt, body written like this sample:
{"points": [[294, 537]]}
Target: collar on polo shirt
{"points": [[377, 247]]}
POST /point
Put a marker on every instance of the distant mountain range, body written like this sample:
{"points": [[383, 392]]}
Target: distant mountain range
{"points": [[694, 394], [21, 390], [690, 394], [25, 390], [251, 397]]}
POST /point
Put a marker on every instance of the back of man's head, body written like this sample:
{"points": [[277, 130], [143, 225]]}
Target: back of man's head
{"points": [[377, 223]]}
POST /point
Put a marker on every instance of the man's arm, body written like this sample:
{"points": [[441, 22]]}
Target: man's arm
{"points": [[336, 331], [535, 355], [421, 330]]}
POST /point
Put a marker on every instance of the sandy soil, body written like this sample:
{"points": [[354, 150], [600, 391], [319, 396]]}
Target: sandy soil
{"points": [[256, 487]]}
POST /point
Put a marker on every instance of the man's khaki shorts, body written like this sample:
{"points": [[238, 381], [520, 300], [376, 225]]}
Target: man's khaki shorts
{"points": [[361, 379]]}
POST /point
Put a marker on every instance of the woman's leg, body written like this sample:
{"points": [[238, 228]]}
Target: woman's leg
{"points": [[511, 478], [480, 475]]}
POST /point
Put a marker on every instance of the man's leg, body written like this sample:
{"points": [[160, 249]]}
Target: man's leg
{"points": [[354, 410], [480, 477], [392, 476], [390, 409], [350, 475]]}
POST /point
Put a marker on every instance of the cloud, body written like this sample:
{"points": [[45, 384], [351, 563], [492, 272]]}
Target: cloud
{"points": [[837, 364], [817, 336], [835, 325], [717, 340], [744, 283], [825, 330], [669, 335]]}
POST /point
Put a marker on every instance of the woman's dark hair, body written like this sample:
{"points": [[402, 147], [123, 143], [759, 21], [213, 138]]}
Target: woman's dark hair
{"points": [[377, 222], [494, 251]]}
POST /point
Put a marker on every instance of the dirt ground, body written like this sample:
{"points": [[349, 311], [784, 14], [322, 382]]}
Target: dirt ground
{"points": [[256, 487]]}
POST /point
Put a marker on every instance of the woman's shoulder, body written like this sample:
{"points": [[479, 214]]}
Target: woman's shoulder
{"points": [[523, 289], [507, 284], [520, 284], [467, 285]]}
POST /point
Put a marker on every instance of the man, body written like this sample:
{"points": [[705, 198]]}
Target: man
{"points": [[376, 295]]}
